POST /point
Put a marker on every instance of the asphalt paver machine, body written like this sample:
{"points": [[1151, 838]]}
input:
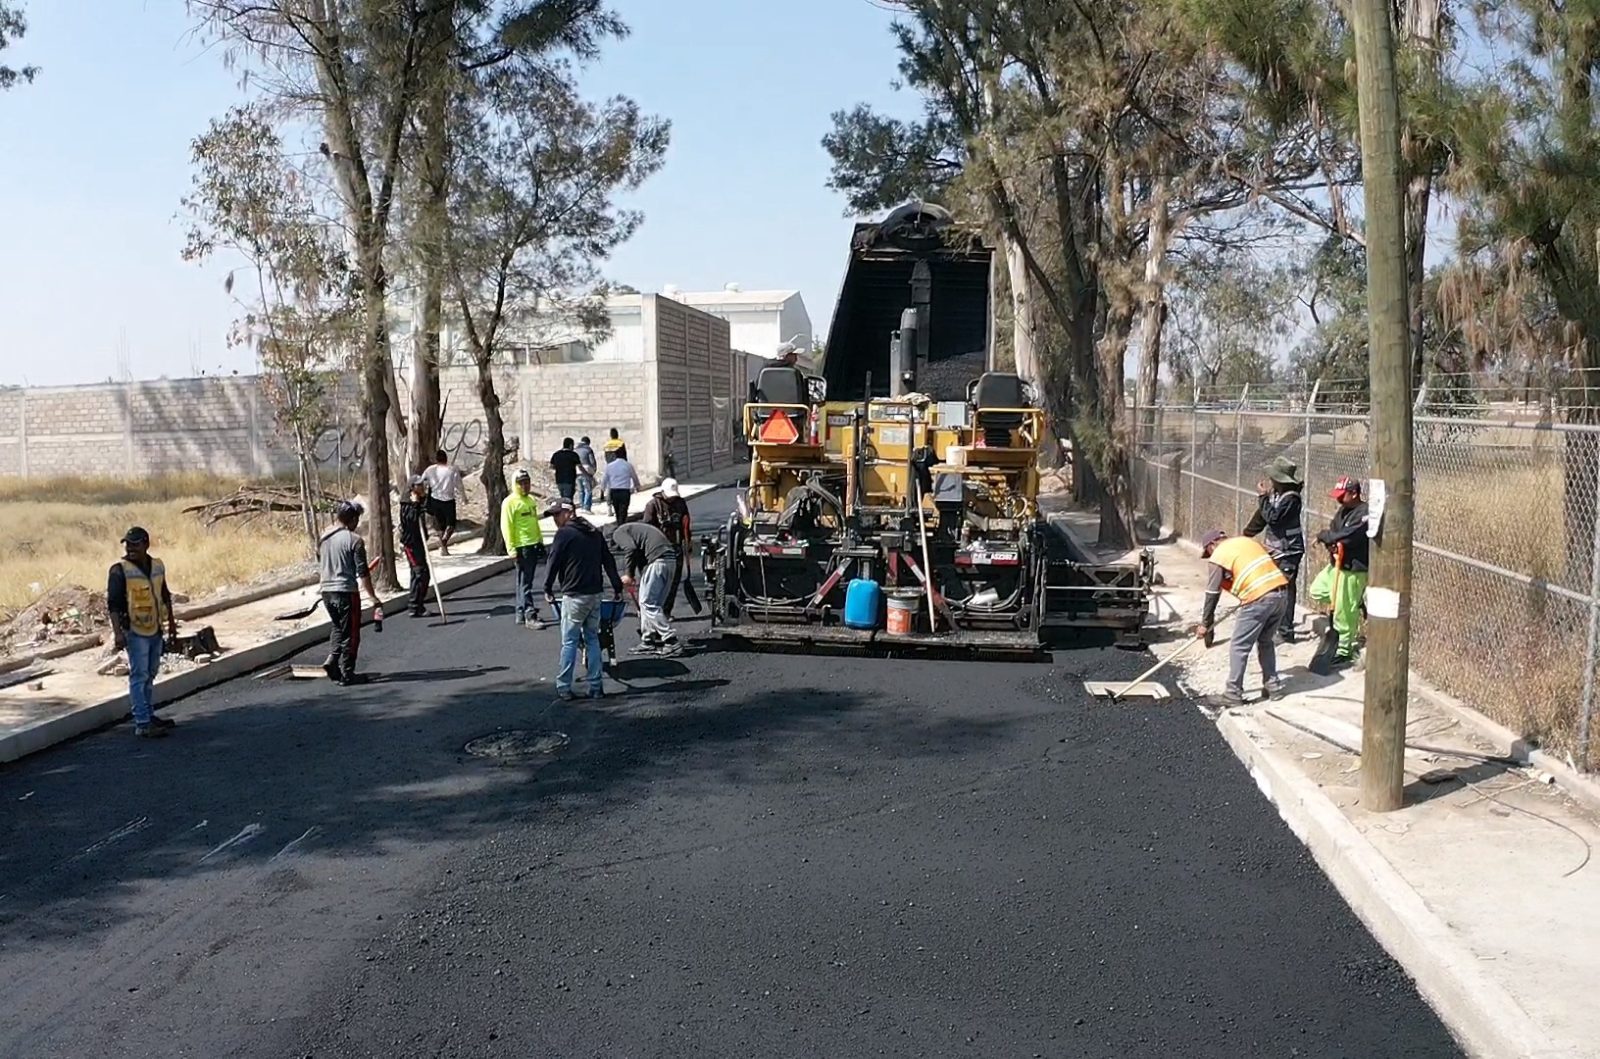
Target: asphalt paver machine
{"points": [[893, 498]]}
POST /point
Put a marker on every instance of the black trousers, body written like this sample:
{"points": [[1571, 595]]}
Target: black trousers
{"points": [[420, 582], [620, 499], [1290, 565], [344, 634]]}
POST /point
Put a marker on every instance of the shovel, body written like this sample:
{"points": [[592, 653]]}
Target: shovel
{"points": [[1328, 650], [1113, 693]]}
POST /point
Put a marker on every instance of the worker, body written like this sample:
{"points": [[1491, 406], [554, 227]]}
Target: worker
{"points": [[1346, 540], [668, 512], [619, 480], [519, 528], [1243, 567], [647, 557], [1278, 520], [414, 542], [139, 606], [566, 464], [580, 563], [586, 473], [445, 487], [614, 448], [342, 556]]}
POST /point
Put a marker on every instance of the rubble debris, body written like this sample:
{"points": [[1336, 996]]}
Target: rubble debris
{"points": [[62, 612], [256, 501]]}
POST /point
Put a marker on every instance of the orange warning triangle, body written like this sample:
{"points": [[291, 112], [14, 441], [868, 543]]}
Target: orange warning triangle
{"points": [[778, 430]]}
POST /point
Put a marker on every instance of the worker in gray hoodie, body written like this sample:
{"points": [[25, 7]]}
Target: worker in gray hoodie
{"points": [[587, 468]]}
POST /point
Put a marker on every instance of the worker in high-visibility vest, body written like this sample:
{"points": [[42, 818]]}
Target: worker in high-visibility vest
{"points": [[1241, 566], [140, 607]]}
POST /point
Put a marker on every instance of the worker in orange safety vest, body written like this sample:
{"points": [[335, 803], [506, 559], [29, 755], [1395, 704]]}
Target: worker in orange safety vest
{"points": [[1243, 567]]}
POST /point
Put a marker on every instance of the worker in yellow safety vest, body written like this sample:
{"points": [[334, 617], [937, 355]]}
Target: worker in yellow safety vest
{"points": [[1241, 566], [140, 610]]}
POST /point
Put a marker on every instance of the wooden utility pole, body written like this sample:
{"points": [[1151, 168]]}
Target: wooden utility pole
{"points": [[1383, 729]]}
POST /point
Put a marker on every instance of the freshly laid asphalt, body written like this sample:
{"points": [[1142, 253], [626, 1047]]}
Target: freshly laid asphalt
{"points": [[736, 854]]}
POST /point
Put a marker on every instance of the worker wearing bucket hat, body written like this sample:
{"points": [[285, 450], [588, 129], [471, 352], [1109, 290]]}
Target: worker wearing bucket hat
{"points": [[1278, 520]]}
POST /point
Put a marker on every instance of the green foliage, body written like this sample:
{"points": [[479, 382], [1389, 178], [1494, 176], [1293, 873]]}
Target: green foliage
{"points": [[880, 162], [13, 26], [1228, 314]]}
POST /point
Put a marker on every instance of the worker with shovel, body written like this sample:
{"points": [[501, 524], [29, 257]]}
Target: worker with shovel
{"points": [[1243, 567], [414, 540], [1278, 521], [140, 607], [1343, 582]]}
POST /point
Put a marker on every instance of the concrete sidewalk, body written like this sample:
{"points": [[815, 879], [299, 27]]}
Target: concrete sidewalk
{"points": [[75, 698], [1483, 887]]}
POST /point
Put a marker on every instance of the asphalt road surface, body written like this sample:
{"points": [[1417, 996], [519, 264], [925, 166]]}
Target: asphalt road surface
{"points": [[738, 855]]}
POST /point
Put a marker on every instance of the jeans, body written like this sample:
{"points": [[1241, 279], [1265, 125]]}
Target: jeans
{"points": [[580, 625], [567, 489], [654, 585], [344, 632], [419, 579], [144, 662], [1253, 626], [620, 499], [527, 567], [586, 492]]}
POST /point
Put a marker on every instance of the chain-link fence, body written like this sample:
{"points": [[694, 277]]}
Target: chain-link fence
{"points": [[1506, 591]]}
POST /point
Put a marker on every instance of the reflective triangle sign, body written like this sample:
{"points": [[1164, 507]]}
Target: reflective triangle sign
{"points": [[778, 430]]}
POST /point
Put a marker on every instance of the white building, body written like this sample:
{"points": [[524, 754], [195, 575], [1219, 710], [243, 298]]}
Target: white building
{"points": [[758, 322]]}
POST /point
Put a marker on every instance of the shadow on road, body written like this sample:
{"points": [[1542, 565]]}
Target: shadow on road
{"points": [[360, 770]]}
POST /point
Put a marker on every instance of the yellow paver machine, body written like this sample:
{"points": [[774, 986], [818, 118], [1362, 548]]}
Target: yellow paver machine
{"points": [[894, 498]]}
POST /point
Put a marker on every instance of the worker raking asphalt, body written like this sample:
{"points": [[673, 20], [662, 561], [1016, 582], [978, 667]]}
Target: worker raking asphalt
{"points": [[736, 854]]}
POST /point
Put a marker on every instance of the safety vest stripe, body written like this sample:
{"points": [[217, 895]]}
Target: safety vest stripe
{"points": [[1249, 585]]}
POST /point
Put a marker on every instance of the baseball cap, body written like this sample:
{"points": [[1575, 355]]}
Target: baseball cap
{"points": [[557, 507], [1345, 485], [136, 535], [669, 487], [1211, 538], [417, 479], [523, 476]]}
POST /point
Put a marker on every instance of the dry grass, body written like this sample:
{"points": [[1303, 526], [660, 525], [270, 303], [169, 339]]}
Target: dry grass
{"points": [[67, 531]]}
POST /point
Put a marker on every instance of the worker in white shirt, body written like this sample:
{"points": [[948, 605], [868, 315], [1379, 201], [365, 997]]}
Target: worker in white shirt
{"points": [[445, 487], [620, 481]]}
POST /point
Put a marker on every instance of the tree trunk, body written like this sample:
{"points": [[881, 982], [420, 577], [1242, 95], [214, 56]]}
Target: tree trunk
{"points": [[433, 179], [377, 376], [493, 472], [1113, 467], [1023, 346], [1421, 41]]}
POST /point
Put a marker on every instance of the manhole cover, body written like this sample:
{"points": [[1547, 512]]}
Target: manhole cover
{"points": [[517, 745]]}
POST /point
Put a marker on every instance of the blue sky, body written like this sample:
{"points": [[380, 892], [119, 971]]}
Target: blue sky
{"points": [[94, 157]]}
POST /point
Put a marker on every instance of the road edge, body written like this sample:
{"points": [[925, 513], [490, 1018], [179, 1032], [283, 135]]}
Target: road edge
{"points": [[1485, 1019], [47, 733]]}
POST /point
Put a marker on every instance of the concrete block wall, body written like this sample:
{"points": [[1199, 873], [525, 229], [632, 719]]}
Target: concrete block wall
{"points": [[690, 385]]}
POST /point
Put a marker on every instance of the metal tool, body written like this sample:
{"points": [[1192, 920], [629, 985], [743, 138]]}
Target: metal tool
{"points": [[1115, 693]]}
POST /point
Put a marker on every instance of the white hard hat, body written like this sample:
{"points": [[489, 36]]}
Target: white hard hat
{"points": [[669, 487]]}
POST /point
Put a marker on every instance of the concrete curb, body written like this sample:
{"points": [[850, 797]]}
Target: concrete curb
{"points": [[47, 733], [1484, 1018], [1580, 785]]}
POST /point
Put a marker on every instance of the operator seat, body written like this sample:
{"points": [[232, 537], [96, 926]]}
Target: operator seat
{"points": [[994, 390], [781, 385]]}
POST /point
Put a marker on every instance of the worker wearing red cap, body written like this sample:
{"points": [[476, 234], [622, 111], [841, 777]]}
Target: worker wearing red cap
{"points": [[1240, 565], [1346, 540]]}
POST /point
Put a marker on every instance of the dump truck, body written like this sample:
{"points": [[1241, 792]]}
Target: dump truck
{"points": [[893, 498]]}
